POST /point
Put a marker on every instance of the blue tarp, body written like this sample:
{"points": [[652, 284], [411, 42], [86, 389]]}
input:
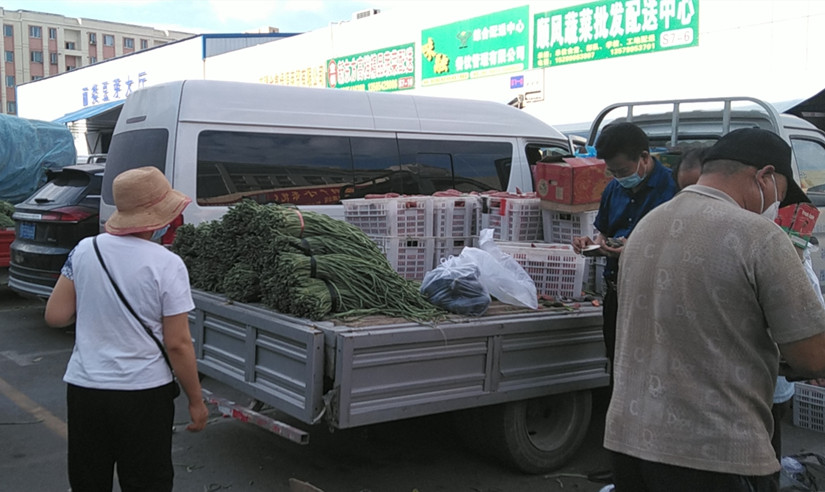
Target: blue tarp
{"points": [[89, 111], [29, 148]]}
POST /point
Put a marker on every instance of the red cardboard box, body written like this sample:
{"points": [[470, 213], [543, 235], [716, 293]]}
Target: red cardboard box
{"points": [[574, 181]]}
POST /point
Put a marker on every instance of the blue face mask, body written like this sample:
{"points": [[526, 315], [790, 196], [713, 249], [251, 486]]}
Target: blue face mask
{"points": [[158, 233], [633, 180]]}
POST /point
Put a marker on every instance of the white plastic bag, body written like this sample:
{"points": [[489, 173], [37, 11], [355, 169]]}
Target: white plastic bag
{"points": [[503, 277]]}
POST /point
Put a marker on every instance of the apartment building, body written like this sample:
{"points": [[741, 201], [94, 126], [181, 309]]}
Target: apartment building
{"points": [[37, 45]]}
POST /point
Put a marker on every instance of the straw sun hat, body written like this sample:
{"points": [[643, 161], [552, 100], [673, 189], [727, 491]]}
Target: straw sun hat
{"points": [[145, 202]]}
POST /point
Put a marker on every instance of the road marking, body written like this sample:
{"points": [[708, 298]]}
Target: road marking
{"points": [[27, 404], [24, 360]]}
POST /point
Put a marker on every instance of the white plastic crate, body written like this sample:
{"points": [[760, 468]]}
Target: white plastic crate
{"points": [[409, 216], [513, 218], [451, 246], [594, 275], [809, 407], [562, 227], [456, 216], [555, 268], [410, 257]]}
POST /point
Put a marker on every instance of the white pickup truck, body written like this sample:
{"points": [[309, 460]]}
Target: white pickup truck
{"points": [[672, 125]]}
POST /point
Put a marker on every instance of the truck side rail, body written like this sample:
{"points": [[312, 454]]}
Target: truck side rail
{"points": [[676, 108], [385, 374]]}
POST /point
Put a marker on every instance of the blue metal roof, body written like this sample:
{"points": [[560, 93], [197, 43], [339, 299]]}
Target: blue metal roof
{"points": [[89, 111]]}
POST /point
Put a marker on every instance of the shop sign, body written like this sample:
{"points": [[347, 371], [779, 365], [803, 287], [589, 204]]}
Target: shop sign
{"points": [[104, 91], [610, 28], [388, 69], [487, 45], [302, 77]]}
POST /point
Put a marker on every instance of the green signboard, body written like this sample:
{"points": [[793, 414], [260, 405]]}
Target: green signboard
{"points": [[388, 69], [612, 28], [479, 47]]}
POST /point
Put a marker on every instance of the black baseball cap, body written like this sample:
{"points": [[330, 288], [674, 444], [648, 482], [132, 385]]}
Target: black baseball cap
{"points": [[759, 148]]}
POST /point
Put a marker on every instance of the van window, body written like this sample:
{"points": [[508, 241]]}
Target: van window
{"points": [[133, 149], [322, 169], [466, 166], [810, 158], [266, 167]]}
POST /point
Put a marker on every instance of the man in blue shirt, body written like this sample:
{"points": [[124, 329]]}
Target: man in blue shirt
{"points": [[640, 183]]}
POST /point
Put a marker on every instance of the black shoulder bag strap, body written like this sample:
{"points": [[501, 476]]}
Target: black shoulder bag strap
{"points": [[129, 307]]}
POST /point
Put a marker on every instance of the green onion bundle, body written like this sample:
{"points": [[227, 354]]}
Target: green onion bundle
{"points": [[297, 262]]}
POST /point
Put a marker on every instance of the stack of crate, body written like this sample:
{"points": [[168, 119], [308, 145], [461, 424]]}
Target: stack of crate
{"points": [[456, 224], [561, 227], [402, 227], [513, 217]]}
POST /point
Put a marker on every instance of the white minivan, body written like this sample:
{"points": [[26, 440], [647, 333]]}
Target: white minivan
{"points": [[219, 142]]}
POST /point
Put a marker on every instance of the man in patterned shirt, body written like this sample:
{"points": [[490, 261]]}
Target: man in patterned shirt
{"points": [[710, 293]]}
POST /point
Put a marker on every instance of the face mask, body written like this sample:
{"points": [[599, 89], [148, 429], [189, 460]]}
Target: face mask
{"points": [[633, 180], [157, 234], [772, 210]]}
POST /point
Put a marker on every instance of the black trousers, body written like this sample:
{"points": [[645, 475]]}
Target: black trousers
{"points": [[636, 475], [128, 429], [609, 312]]}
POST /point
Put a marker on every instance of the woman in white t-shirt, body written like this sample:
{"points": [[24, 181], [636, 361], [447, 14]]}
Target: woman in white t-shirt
{"points": [[120, 389]]}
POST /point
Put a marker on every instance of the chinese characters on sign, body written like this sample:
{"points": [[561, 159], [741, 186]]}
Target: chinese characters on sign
{"points": [[303, 77], [389, 69], [111, 90], [611, 28], [479, 47]]}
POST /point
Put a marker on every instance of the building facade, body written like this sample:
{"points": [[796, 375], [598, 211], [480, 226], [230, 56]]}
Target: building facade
{"points": [[37, 45]]}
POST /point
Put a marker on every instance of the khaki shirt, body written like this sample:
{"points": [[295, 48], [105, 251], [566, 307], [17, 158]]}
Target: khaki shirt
{"points": [[705, 290]]}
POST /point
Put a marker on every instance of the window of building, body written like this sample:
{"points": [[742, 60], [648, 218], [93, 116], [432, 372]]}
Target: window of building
{"points": [[11, 107], [108, 40], [144, 44], [35, 32], [52, 33], [92, 59], [92, 38], [128, 43], [10, 56], [9, 80], [53, 58], [37, 56], [70, 45], [8, 30], [36, 77]]}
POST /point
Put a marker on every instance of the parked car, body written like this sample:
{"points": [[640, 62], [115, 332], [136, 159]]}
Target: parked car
{"points": [[49, 224]]}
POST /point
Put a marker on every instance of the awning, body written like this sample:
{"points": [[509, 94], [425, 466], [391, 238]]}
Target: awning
{"points": [[89, 111]]}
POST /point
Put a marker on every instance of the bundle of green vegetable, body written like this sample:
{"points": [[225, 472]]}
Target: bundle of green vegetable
{"points": [[299, 262], [6, 209]]}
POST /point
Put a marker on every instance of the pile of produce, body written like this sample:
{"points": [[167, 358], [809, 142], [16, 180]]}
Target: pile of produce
{"points": [[299, 262], [6, 209]]}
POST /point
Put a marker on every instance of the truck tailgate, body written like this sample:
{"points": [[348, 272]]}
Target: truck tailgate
{"points": [[273, 358]]}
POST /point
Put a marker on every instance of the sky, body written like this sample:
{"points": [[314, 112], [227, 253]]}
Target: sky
{"points": [[212, 16]]}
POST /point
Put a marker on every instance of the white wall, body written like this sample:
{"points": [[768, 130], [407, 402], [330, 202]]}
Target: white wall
{"points": [[53, 97]]}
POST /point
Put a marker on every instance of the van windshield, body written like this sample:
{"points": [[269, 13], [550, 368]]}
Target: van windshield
{"points": [[134, 149]]}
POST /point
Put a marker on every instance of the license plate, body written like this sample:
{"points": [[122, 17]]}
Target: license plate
{"points": [[26, 230]]}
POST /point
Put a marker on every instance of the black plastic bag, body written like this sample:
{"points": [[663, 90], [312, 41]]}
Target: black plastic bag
{"points": [[456, 288]]}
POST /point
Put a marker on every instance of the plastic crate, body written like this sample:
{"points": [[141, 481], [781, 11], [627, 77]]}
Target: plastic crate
{"points": [[513, 218], [562, 227], [456, 217], [410, 257], [555, 268], [594, 275], [409, 216], [809, 407], [451, 246]]}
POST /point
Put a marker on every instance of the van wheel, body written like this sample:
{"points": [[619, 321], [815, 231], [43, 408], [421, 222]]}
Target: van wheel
{"points": [[542, 434]]}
